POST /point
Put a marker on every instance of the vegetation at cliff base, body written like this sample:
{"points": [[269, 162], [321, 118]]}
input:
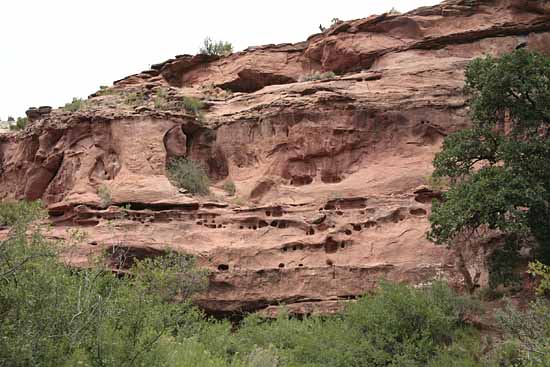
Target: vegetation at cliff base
{"points": [[54, 315], [498, 168], [75, 105]]}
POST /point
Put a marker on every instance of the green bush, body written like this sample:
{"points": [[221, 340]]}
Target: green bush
{"points": [[104, 90], [54, 316], [216, 48], [229, 187], [14, 212], [20, 124], [105, 195], [77, 104], [161, 99], [318, 76], [134, 98], [193, 105], [529, 335], [542, 273], [188, 175]]}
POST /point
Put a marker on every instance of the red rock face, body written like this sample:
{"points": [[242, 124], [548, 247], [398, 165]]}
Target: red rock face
{"points": [[330, 174]]}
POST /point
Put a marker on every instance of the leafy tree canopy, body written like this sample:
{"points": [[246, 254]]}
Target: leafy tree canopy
{"points": [[499, 168]]}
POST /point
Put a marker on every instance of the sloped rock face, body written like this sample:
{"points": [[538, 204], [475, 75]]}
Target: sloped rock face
{"points": [[330, 174]]}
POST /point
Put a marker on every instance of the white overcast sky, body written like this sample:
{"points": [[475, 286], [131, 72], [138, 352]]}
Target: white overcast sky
{"points": [[51, 51]]}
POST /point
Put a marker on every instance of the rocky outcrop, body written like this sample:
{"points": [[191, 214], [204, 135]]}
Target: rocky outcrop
{"points": [[330, 171]]}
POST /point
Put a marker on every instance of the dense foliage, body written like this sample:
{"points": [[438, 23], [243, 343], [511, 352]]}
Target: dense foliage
{"points": [[499, 167], [188, 175]]}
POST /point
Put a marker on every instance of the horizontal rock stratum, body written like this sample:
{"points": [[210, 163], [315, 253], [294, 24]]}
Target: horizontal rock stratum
{"points": [[330, 173]]}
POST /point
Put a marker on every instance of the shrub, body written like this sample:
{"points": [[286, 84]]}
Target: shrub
{"points": [[76, 105], [394, 11], [189, 175], [318, 76], [105, 195], [529, 332], [54, 316], [20, 124], [161, 99], [192, 105], [134, 98], [218, 48], [15, 212], [229, 187], [104, 90], [542, 273]]}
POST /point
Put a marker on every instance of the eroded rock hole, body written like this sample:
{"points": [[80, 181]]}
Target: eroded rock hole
{"points": [[301, 181], [223, 267], [418, 212], [281, 265], [370, 224], [262, 224], [331, 246]]}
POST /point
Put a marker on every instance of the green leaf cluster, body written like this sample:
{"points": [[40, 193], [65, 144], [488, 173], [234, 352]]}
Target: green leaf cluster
{"points": [[499, 167]]}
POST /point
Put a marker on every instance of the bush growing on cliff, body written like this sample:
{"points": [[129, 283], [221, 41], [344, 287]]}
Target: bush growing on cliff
{"points": [[229, 187], [318, 76], [104, 194], [134, 98], [193, 105], [216, 48], [75, 105], [188, 175]]}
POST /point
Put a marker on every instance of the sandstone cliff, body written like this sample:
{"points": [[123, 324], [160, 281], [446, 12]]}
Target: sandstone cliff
{"points": [[330, 173]]}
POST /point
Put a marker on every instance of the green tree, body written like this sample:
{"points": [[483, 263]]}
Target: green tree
{"points": [[20, 123], [498, 168]]}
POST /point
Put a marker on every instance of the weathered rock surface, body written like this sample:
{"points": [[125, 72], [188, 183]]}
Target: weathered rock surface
{"points": [[330, 174]]}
